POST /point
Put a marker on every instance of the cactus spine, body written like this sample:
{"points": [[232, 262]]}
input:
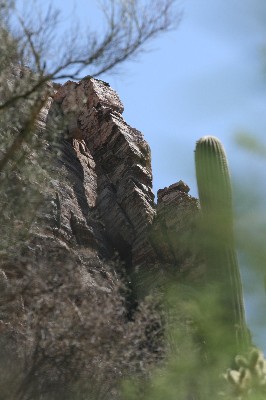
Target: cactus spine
{"points": [[217, 239]]}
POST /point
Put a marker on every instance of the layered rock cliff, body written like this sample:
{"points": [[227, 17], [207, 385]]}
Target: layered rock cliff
{"points": [[97, 207], [103, 199]]}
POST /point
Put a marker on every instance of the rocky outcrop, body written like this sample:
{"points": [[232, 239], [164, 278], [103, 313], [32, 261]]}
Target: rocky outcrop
{"points": [[107, 203], [101, 198], [173, 232], [66, 308], [99, 201]]}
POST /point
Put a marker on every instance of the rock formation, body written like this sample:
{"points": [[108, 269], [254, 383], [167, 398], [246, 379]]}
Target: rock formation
{"points": [[111, 180], [98, 206], [99, 202], [104, 201]]}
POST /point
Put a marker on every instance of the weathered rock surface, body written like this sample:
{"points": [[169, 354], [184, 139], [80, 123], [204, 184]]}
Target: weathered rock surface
{"points": [[107, 203], [101, 198], [173, 232], [59, 295], [100, 201]]}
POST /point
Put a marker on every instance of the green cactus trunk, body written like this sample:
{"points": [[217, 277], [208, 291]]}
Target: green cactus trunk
{"points": [[218, 244]]}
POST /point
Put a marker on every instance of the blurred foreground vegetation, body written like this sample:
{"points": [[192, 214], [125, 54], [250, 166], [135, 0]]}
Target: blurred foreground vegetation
{"points": [[60, 340]]}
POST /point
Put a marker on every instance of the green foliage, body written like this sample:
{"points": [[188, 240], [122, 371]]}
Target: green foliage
{"points": [[27, 150], [206, 327], [25, 173], [248, 379], [251, 143], [187, 372]]}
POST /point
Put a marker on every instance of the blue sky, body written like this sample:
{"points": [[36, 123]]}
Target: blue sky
{"points": [[207, 77], [204, 78]]}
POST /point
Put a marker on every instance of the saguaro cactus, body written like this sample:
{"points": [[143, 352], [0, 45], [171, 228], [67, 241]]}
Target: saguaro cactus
{"points": [[218, 244]]}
